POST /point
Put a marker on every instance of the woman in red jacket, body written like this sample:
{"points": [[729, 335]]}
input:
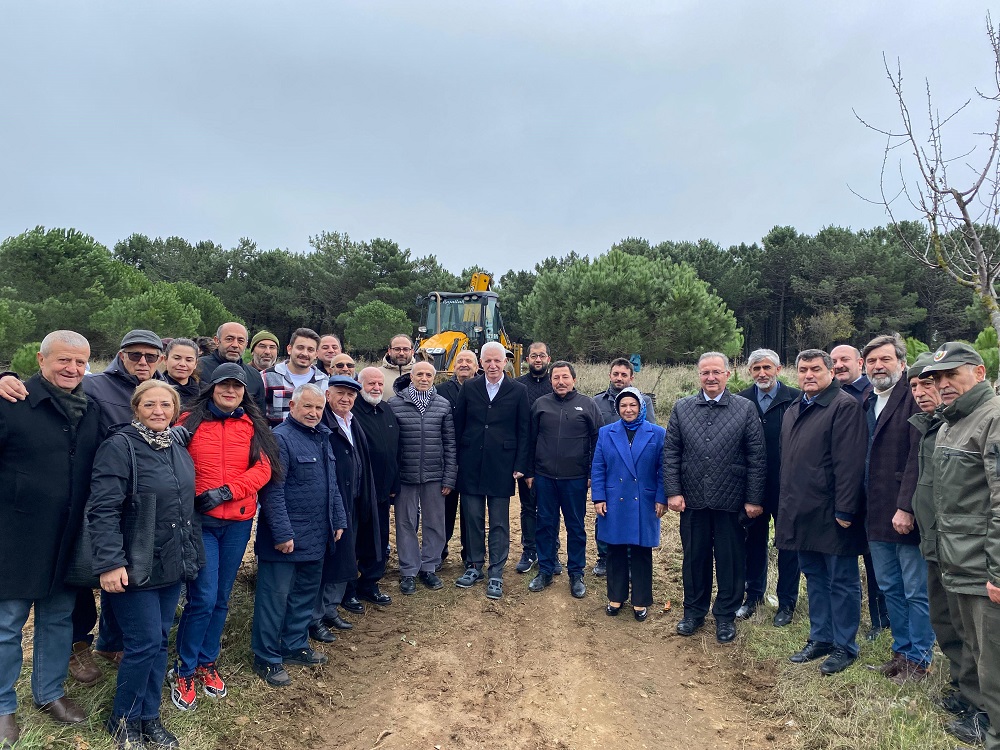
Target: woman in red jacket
{"points": [[233, 451]]}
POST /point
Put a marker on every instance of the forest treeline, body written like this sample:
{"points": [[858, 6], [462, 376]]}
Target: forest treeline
{"points": [[666, 301]]}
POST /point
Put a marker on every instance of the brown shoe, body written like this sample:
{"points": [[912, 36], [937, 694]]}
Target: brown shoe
{"points": [[9, 733], [81, 664], [115, 657], [910, 672], [64, 710], [892, 667]]}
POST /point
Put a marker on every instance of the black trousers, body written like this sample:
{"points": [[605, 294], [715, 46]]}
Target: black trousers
{"points": [[371, 561], [626, 558], [758, 538], [708, 533], [877, 612], [529, 517], [451, 504]]}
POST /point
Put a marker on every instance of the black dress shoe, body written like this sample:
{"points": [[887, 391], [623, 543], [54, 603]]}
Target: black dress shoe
{"points": [[689, 625], [407, 585], [576, 586], [430, 580], [812, 650], [970, 729], [601, 569], [337, 622], [838, 661], [783, 616], [375, 596], [612, 611], [321, 633], [352, 604], [539, 582], [725, 631], [640, 615], [746, 611], [874, 633]]}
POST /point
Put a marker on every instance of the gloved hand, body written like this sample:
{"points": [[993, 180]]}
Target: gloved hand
{"points": [[212, 498], [180, 434]]}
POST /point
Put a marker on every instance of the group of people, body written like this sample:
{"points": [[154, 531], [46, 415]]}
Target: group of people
{"points": [[149, 482]]}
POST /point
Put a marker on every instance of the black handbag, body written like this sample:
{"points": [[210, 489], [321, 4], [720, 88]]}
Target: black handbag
{"points": [[137, 523]]}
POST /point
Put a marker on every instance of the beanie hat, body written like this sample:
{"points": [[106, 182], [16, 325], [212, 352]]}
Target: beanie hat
{"points": [[261, 336]]}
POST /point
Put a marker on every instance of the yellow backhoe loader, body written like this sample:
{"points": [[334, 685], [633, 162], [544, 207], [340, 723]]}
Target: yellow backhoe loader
{"points": [[451, 322]]}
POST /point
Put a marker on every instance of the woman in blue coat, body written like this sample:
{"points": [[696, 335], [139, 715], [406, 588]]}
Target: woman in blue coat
{"points": [[627, 491]]}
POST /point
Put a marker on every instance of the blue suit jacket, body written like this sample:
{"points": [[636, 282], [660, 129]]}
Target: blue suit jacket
{"points": [[629, 478]]}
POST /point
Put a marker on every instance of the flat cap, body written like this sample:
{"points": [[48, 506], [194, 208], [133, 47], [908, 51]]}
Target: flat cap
{"points": [[344, 382], [142, 336]]}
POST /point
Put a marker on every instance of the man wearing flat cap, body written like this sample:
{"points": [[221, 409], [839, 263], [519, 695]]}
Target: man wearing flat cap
{"points": [[966, 497], [358, 555]]}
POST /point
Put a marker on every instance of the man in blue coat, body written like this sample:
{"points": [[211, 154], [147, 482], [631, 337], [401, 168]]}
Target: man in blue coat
{"points": [[301, 515]]}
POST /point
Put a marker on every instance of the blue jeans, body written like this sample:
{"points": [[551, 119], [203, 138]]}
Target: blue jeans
{"points": [[901, 573], [833, 584], [569, 496], [145, 617], [283, 606], [53, 643], [199, 633]]}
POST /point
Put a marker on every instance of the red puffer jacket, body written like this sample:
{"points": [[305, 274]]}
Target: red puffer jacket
{"points": [[221, 452]]}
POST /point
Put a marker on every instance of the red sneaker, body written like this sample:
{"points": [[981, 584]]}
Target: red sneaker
{"points": [[211, 680], [183, 691]]}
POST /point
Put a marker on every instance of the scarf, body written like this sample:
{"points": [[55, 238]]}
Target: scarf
{"points": [[219, 414], [420, 399], [641, 419], [73, 404], [157, 440]]}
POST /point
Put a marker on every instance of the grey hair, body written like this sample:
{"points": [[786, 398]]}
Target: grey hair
{"points": [[891, 339], [808, 355], [424, 362], [307, 388], [714, 355], [758, 355], [362, 378], [69, 338], [493, 345]]}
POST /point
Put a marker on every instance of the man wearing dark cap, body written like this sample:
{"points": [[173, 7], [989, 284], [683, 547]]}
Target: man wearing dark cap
{"points": [[263, 350], [966, 498], [358, 550], [231, 340]]}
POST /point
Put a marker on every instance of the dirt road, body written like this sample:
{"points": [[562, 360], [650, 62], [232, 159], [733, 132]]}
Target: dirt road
{"points": [[450, 669]]}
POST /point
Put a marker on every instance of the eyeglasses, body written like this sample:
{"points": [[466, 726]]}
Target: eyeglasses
{"points": [[711, 373], [344, 365], [150, 357], [401, 349]]}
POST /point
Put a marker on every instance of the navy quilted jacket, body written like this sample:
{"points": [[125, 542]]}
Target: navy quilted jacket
{"points": [[714, 453], [306, 505]]}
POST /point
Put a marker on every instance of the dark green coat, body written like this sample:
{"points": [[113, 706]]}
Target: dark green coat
{"points": [[923, 496]]}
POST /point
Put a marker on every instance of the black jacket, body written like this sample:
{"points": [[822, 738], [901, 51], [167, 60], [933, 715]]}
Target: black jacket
{"points": [[357, 488], [822, 475], [382, 430], [113, 390], [860, 389], [427, 441], [537, 386], [166, 479], [562, 436], [450, 390], [770, 423], [714, 453], [255, 382], [45, 467], [605, 401], [492, 437]]}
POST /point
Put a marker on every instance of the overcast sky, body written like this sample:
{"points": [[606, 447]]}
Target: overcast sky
{"points": [[492, 132]]}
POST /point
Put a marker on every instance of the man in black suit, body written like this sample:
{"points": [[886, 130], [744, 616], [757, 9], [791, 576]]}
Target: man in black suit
{"points": [[847, 369], [772, 398], [491, 429]]}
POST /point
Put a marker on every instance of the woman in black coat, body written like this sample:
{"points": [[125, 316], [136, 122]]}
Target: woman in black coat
{"points": [[141, 473]]}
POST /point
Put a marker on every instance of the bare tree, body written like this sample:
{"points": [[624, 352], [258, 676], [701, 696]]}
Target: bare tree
{"points": [[958, 199]]}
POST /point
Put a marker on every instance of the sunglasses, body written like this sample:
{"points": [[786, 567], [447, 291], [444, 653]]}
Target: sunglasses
{"points": [[150, 357]]}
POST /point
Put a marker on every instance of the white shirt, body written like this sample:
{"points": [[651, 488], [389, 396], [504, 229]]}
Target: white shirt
{"points": [[345, 425], [881, 399], [492, 389]]}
